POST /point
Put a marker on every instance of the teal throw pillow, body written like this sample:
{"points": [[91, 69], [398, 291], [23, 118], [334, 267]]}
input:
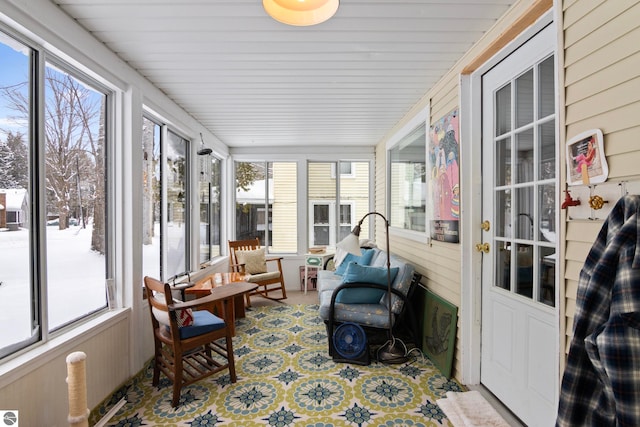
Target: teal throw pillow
{"points": [[356, 273], [364, 259]]}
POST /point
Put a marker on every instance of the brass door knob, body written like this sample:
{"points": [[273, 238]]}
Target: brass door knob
{"points": [[486, 225], [483, 247]]}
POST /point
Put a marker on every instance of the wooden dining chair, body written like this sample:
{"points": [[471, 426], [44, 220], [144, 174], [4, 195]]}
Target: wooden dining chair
{"points": [[248, 257], [187, 341]]}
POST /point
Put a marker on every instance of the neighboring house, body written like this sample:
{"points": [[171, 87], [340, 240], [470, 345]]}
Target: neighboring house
{"points": [[15, 211], [353, 196], [322, 214]]}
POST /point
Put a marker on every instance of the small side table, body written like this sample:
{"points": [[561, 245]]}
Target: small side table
{"points": [[231, 288], [315, 261]]}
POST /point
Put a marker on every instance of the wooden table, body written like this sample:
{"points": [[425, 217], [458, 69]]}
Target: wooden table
{"points": [[225, 286]]}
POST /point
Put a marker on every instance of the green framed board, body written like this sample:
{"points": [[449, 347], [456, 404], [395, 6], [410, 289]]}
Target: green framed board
{"points": [[439, 331]]}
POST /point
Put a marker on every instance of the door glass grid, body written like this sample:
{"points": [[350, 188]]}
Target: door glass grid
{"points": [[524, 185], [503, 110]]}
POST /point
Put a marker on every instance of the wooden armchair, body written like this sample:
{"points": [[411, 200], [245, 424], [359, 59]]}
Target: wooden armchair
{"points": [[185, 338], [246, 256]]}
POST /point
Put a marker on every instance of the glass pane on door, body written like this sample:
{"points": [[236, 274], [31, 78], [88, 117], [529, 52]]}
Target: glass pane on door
{"points": [[525, 186], [503, 265], [546, 88], [547, 267], [524, 99], [524, 153], [547, 150], [503, 162], [502, 219], [503, 110], [524, 220]]}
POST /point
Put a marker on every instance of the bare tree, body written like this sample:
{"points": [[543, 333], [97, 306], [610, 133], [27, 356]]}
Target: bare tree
{"points": [[87, 110], [149, 190], [74, 147], [65, 135]]}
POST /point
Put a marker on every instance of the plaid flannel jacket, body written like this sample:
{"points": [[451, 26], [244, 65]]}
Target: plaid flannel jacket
{"points": [[601, 383]]}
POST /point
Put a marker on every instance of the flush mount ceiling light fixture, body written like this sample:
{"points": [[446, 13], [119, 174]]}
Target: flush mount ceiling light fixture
{"points": [[301, 12]]}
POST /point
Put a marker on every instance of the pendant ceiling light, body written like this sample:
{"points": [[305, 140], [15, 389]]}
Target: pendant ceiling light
{"points": [[301, 12]]}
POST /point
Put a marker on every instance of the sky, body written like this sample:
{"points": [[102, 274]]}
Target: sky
{"points": [[13, 70]]}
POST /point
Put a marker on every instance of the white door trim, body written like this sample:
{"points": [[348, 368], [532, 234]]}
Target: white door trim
{"points": [[471, 204]]}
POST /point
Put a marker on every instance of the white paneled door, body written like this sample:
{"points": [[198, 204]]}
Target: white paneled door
{"points": [[519, 361]]}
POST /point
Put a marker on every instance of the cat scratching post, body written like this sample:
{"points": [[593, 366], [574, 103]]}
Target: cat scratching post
{"points": [[77, 382]]}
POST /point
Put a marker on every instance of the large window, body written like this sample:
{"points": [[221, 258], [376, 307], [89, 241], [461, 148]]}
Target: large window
{"points": [[151, 207], [176, 196], [407, 188], [164, 202], [336, 204], [266, 204], [54, 226], [209, 186]]}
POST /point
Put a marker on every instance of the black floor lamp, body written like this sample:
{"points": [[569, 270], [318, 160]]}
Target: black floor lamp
{"points": [[393, 351]]}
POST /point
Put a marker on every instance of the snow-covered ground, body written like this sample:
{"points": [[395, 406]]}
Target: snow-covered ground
{"points": [[76, 280], [75, 275]]}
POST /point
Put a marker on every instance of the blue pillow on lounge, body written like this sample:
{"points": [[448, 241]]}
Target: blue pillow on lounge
{"points": [[356, 273], [364, 259]]}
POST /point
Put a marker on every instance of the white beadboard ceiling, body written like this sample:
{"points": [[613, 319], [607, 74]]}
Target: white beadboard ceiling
{"points": [[253, 81]]}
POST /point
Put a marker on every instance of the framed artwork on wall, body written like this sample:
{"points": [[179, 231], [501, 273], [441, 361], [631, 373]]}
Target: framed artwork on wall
{"points": [[439, 331], [443, 155], [586, 162]]}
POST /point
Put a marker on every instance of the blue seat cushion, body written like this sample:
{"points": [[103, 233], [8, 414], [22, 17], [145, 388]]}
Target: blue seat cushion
{"points": [[203, 322], [364, 259], [359, 296]]}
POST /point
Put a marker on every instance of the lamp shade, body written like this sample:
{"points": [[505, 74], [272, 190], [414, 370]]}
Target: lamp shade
{"points": [[301, 12], [350, 244]]}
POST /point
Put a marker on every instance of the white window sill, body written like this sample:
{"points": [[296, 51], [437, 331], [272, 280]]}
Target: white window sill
{"points": [[418, 236]]}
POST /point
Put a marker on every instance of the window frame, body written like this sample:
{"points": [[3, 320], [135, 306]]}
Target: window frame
{"points": [[39, 59], [210, 178], [303, 160], [334, 223], [165, 130], [420, 119], [109, 173], [267, 209]]}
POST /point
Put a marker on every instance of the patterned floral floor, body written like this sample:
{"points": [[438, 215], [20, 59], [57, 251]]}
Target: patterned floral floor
{"points": [[286, 378]]}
